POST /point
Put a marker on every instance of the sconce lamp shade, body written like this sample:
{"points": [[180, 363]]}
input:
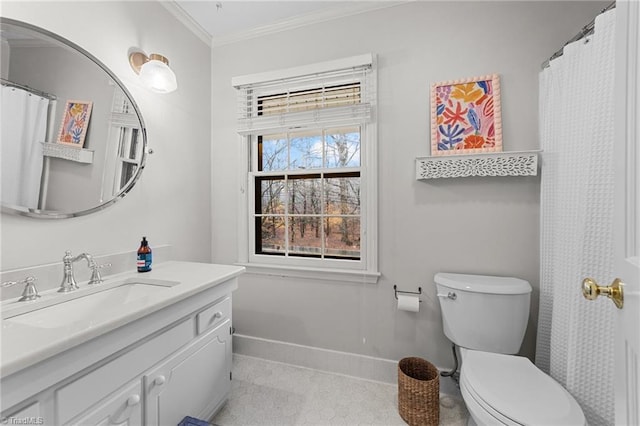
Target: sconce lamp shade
{"points": [[154, 72]]}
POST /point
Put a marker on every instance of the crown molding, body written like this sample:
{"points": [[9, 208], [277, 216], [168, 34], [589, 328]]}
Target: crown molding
{"points": [[353, 8], [182, 16]]}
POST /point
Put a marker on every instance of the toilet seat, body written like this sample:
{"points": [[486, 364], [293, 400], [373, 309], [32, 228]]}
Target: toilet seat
{"points": [[480, 412], [513, 391]]}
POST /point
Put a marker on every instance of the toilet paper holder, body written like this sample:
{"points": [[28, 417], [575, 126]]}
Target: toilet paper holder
{"points": [[396, 291]]}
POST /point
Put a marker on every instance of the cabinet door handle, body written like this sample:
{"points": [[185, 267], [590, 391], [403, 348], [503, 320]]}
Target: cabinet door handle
{"points": [[159, 381], [217, 315], [133, 400]]}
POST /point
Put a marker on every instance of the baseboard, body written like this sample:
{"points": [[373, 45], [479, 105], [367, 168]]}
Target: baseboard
{"points": [[349, 364]]}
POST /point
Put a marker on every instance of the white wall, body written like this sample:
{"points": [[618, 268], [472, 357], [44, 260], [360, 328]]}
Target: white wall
{"points": [[171, 202], [473, 225]]}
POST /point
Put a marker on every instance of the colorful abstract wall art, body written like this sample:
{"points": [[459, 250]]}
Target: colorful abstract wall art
{"points": [[75, 122], [465, 116]]}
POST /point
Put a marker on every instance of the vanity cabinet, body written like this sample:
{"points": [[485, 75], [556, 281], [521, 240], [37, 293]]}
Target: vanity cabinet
{"points": [[171, 363], [181, 386], [98, 384], [193, 381]]}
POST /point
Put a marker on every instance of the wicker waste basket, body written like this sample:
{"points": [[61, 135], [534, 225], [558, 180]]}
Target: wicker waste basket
{"points": [[418, 392]]}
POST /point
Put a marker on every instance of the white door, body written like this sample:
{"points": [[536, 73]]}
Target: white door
{"points": [[627, 211], [625, 289]]}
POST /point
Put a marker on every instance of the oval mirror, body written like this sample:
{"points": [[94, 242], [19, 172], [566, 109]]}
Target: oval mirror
{"points": [[72, 138]]}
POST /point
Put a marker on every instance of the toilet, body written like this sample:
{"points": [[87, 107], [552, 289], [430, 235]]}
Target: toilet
{"points": [[486, 317]]}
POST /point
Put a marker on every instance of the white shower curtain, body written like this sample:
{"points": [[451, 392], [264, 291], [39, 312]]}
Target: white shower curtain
{"points": [[575, 339], [24, 126]]}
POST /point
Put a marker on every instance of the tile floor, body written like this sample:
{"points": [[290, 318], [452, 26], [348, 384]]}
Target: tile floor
{"points": [[273, 394]]}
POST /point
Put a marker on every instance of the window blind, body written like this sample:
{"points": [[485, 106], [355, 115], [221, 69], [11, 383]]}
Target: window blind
{"points": [[329, 98], [122, 114]]}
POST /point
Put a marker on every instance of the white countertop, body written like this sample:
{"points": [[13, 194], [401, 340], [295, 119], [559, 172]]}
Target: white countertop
{"points": [[25, 345]]}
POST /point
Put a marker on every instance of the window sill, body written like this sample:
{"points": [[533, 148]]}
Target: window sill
{"points": [[351, 276]]}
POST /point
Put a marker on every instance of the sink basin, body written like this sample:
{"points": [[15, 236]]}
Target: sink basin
{"points": [[93, 308]]}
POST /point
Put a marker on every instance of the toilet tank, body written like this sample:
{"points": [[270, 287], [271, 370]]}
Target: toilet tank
{"points": [[484, 313]]}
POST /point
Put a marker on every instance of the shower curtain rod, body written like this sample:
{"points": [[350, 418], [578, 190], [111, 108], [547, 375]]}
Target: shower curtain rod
{"points": [[29, 89], [586, 31]]}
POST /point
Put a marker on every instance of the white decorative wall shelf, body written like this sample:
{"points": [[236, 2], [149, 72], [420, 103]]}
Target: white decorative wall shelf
{"points": [[70, 153], [516, 163]]}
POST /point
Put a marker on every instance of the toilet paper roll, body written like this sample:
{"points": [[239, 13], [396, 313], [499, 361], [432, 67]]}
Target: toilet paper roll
{"points": [[408, 303]]}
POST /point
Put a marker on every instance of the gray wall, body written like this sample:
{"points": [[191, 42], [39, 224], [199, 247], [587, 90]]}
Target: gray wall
{"points": [[171, 202], [473, 225], [5, 50]]}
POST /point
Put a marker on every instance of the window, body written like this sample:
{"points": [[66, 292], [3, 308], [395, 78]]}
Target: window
{"points": [[124, 146], [307, 194], [309, 138]]}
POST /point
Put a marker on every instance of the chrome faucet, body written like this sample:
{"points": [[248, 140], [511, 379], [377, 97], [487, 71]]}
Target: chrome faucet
{"points": [[96, 278], [30, 291], [68, 281]]}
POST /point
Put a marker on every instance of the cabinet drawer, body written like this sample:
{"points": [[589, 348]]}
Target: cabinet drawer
{"points": [[123, 408], [93, 387], [214, 315]]}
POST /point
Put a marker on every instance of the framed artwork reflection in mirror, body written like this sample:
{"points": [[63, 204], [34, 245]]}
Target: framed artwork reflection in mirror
{"points": [[75, 122]]}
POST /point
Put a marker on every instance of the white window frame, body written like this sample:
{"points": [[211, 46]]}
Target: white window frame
{"points": [[124, 131], [364, 270]]}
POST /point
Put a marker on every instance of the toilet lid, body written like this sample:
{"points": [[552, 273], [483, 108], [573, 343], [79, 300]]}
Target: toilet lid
{"points": [[518, 390], [483, 283]]}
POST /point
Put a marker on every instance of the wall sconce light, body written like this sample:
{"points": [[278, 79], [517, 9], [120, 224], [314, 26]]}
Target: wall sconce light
{"points": [[154, 71]]}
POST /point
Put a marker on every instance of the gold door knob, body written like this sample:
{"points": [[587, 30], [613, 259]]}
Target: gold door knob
{"points": [[591, 290]]}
